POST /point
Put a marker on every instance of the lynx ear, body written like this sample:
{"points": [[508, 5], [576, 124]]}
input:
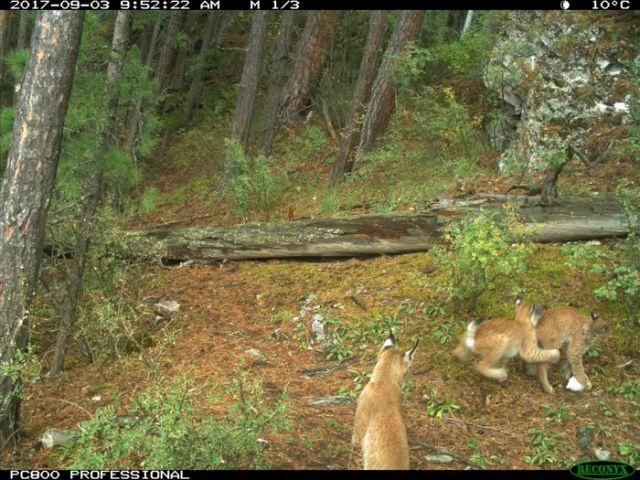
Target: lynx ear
{"points": [[390, 341], [410, 353], [518, 300], [536, 313], [594, 316]]}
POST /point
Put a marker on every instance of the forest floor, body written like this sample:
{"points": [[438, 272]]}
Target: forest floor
{"points": [[448, 408], [229, 308]]}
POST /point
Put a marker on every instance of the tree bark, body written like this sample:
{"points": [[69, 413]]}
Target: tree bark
{"points": [[23, 31], [311, 52], [214, 23], [26, 190], [168, 49], [147, 58], [134, 118], [246, 101], [383, 94], [276, 79], [350, 137], [93, 193], [574, 219], [467, 23], [4, 27]]}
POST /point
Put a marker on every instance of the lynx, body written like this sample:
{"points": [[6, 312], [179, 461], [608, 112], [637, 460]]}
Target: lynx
{"points": [[498, 339], [566, 326], [379, 430]]}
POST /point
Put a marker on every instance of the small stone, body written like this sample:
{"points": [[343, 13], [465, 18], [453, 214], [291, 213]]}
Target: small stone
{"points": [[439, 458], [167, 309], [96, 398], [584, 436], [262, 442], [256, 355], [601, 453], [318, 334], [276, 335], [55, 436]]}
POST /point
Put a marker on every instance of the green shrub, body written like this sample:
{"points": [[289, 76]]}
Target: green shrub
{"points": [[166, 429], [252, 186], [624, 277], [439, 404], [478, 253], [111, 318], [545, 447]]}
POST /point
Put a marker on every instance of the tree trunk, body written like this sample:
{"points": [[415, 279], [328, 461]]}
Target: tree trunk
{"points": [[467, 23], [23, 31], [168, 49], [4, 39], [574, 219], [147, 58], [93, 194], [383, 94], [148, 31], [214, 22], [136, 113], [276, 79], [246, 101], [26, 190], [375, 37], [310, 55]]}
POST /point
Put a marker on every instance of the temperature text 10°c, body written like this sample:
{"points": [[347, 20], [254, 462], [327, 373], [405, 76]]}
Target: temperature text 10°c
{"points": [[606, 4]]}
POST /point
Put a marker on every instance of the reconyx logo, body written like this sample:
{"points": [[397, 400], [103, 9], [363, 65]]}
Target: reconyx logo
{"points": [[602, 469]]}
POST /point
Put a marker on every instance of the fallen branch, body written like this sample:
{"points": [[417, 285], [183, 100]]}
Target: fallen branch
{"points": [[312, 372]]}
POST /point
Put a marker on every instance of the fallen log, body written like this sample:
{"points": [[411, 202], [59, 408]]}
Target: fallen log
{"points": [[369, 235]]}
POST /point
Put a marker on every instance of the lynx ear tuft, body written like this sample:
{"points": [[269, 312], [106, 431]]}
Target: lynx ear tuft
{"points": [[389, 342], [410, 353], [536, 313]]}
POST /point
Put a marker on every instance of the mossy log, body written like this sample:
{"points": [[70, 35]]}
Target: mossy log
{"points": [[369, 235]]}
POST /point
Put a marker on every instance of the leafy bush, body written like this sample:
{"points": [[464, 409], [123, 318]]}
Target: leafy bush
{"points": [[624, 277], [440, 403], [166, 429], [478, 253], [251, 186], [545, 447], [454, 133], [630, 452], [110, 321]]}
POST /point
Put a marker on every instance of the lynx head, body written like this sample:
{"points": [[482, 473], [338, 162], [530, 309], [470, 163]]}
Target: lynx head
{"points": [[597, 328], [527, 313], [393, 363]]}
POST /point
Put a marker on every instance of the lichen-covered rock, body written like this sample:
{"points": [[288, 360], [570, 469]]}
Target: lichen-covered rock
{"points": [[54, 437], [564, 78]]}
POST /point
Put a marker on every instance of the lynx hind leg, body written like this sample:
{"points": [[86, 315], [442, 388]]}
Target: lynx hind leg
{"points": [[486, 366], [532, 353], [567, 371], [575, 358], [543, 378]]}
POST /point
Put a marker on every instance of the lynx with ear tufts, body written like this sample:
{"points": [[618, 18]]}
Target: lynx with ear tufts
{"points": [[567, 326], [379, 430], [497, 340]]}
